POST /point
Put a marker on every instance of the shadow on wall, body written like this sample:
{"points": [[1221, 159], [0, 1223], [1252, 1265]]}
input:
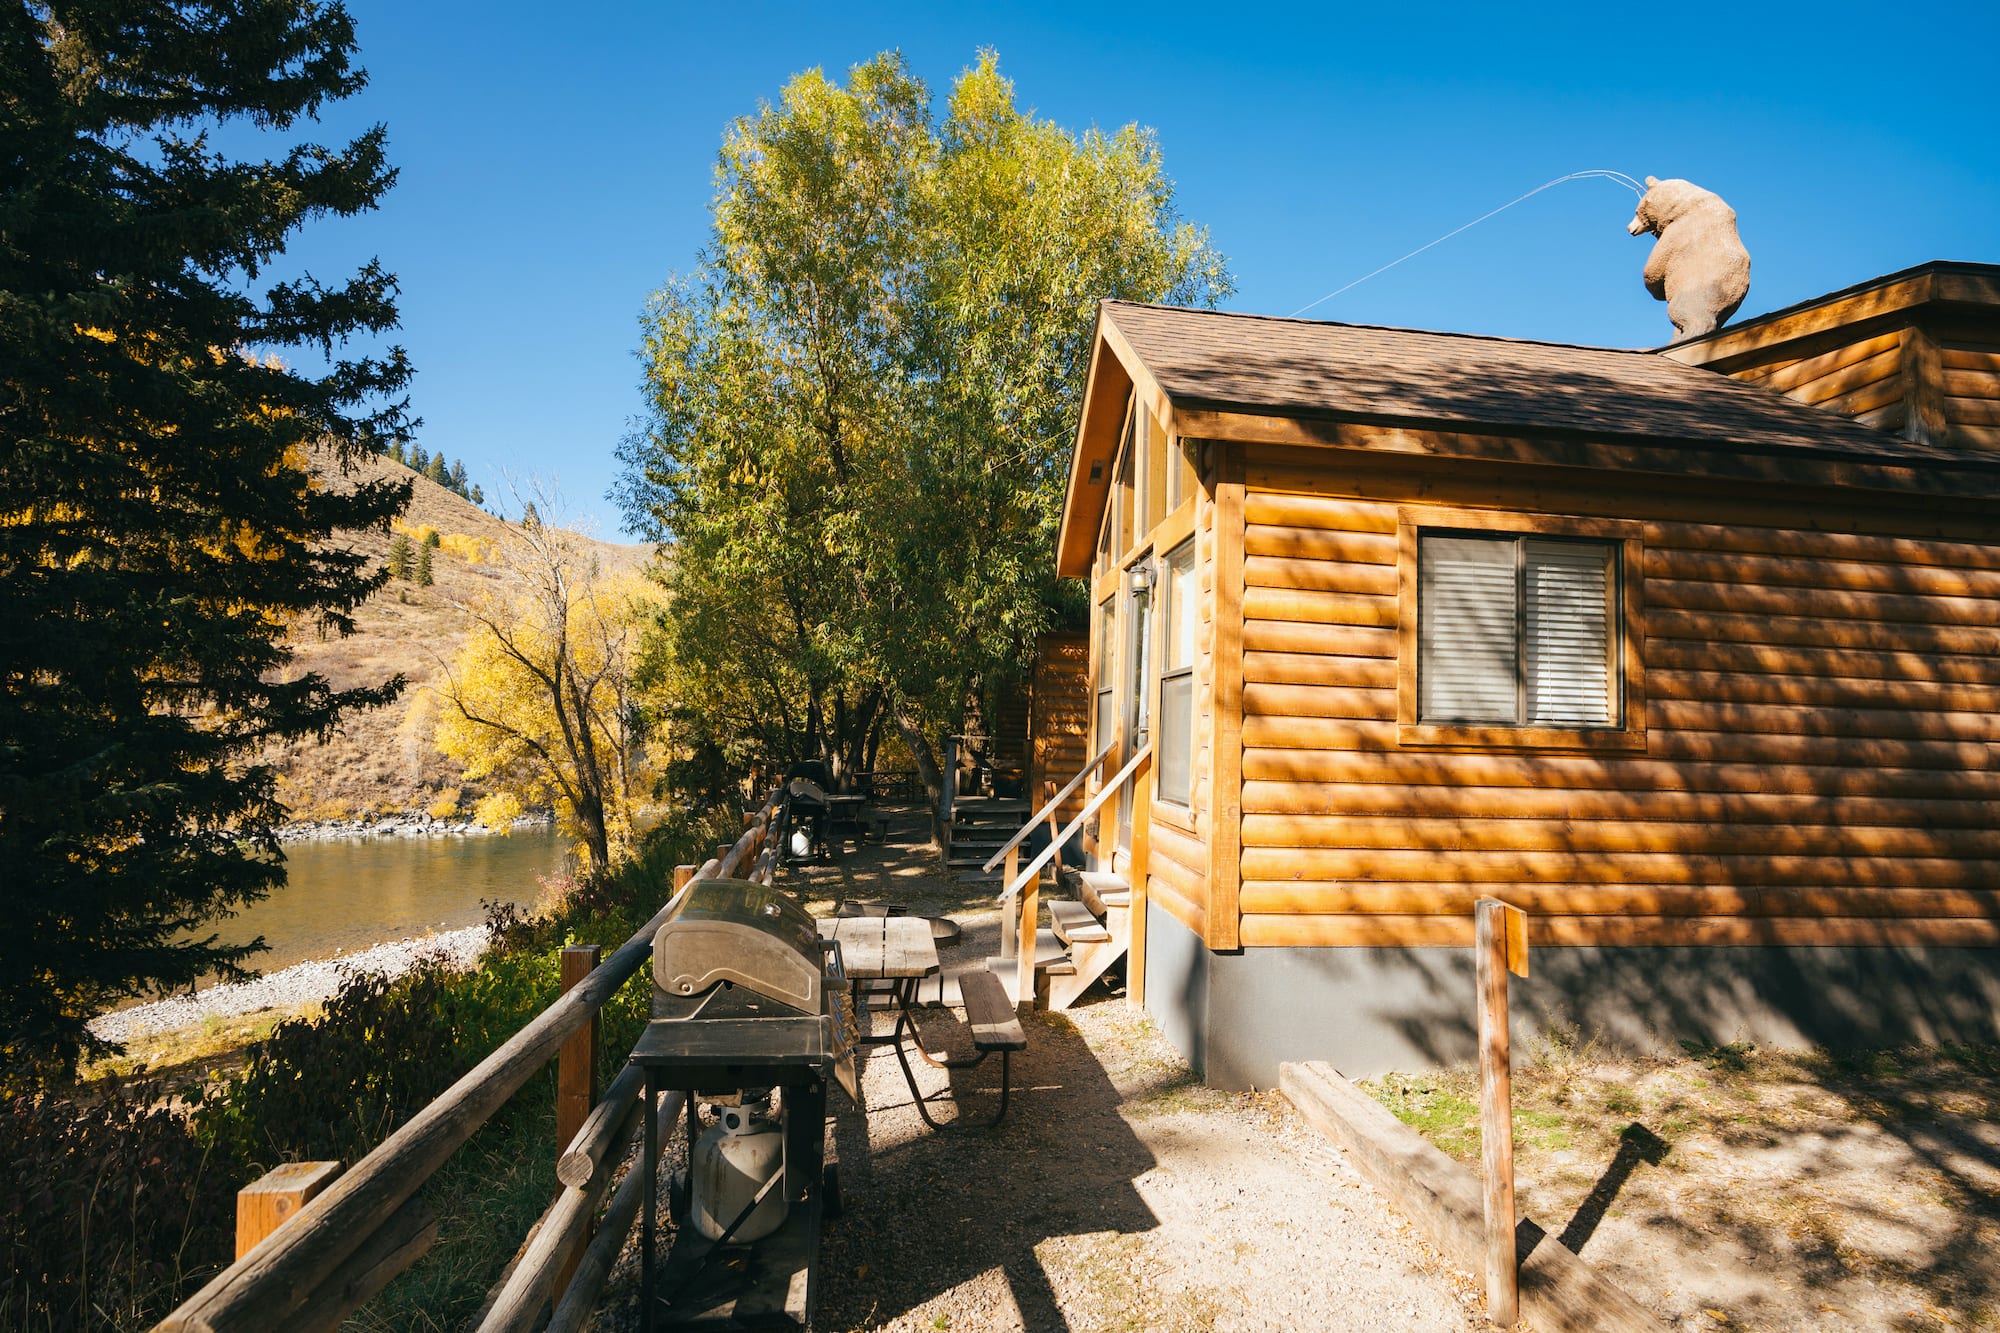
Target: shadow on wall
{"points": [[1369, 1011], [1646, 1000]]}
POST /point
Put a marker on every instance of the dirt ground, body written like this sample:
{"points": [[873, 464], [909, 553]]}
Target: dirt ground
{"points": [[1746, 1189], [1118, 1193]]}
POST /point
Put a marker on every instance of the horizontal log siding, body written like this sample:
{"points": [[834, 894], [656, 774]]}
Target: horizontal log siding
{"points": [[1823, 721], [1059, 724]]}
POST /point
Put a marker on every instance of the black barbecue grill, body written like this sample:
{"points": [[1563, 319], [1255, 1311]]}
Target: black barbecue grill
{"points": [[742, 1007]]}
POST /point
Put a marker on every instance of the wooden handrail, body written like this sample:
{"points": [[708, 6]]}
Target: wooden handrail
{"points": [[1091, 807], [273, 1285], [1053, 802]]}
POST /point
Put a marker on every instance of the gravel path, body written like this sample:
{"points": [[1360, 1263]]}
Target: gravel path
{"points": [[1118, 1194], [289, 988]]}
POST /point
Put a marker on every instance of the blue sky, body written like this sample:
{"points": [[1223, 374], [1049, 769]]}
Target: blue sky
{"points": [[557, 164]]}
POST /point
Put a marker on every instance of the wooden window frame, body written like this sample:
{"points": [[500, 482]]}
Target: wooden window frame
{"points": [[1629, 539], [1166, 609]]}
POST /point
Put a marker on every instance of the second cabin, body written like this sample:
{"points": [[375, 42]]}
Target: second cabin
{"points": [[1703, 676]]}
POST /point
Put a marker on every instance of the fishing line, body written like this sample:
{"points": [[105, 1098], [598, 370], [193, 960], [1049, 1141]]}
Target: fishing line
{"points": [[1618, 177]]}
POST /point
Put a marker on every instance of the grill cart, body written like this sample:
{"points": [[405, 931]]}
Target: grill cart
{"points": [[746, 1022]]}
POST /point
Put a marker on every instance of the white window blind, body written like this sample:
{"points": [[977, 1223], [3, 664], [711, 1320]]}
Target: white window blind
{"points": [[1516, 630], [1176, 743], [1468, 624], [1568, 632]]}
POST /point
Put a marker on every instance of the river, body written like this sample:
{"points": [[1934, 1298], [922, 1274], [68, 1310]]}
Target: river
{"points": [[345, 894]]}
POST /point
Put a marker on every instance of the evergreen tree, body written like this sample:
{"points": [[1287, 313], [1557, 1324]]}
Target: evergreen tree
{"points": [[436, 469], [399, 556], [423, 575], [457, 481], [396, 450], [478, 496], [432, 539], [163, 531], [419, 460]]}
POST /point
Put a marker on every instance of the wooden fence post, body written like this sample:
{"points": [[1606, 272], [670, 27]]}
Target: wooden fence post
{"points": [[576, 1076], [682, 874], [1501, 947], [264, 1204]]}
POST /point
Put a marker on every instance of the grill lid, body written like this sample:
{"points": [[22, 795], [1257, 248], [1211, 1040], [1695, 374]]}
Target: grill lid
{"points": [[749, 934]]}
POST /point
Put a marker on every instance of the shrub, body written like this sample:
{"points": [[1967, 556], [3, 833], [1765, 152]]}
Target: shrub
{"points": [[114, 1208], [472, 550]]}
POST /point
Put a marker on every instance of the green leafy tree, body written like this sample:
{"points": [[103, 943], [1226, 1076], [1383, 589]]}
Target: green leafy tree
{"points": [[162, 531], [862, 401], [399, 556]]}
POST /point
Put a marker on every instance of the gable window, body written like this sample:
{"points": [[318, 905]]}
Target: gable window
{"points": [[1518, 630]]}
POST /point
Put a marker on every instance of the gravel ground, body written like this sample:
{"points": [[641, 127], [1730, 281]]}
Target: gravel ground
{"points": [[1118, 1194], [289, 988]]}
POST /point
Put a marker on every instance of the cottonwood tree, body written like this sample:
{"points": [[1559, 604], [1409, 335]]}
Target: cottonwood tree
{"points": [[539, 705], [161, 532], [861, 402]]}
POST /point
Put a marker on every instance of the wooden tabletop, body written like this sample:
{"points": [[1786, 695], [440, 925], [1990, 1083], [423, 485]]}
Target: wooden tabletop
{"points": [[883, 946]]}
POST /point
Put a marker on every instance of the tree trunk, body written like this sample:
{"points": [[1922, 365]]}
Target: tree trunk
{"points": [[927, 765]]}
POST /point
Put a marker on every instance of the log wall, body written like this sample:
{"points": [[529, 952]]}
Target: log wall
{"points": [[1819, 763], [1059, 717]]}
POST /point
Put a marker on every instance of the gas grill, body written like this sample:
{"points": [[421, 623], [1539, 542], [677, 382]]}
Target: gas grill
{"points": [[743, 1008]]}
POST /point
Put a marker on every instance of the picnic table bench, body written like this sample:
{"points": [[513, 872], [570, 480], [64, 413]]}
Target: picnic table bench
{"points": [[901, 951]]}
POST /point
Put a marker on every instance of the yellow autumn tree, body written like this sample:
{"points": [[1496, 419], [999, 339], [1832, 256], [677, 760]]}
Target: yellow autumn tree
{"points": [[539, 705]]}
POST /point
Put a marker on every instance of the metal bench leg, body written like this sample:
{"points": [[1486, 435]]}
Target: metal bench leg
{"points": [[959, 1121]]}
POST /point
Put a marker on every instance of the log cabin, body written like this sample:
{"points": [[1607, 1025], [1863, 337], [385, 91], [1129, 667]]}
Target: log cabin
{"points": [[1688, 652]]}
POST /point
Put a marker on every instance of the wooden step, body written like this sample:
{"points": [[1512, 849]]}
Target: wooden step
{"points": [[1075, 923], [1051, 956], [1097, 889]]}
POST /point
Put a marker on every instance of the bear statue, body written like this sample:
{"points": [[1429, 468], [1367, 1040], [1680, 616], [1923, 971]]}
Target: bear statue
{"points": [[1698, 266]]}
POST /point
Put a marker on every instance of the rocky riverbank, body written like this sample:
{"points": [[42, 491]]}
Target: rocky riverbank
{"points": [[410, 824], [289, 988]]}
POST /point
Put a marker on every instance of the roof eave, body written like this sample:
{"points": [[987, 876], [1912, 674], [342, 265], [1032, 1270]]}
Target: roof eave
{"points": [[1106, 382]]}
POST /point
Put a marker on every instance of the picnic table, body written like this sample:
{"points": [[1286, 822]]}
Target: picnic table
{"points": [[902, 951], [843, 816]]}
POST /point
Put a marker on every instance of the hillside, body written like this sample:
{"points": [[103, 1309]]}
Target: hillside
{"points": [[382, 760]]}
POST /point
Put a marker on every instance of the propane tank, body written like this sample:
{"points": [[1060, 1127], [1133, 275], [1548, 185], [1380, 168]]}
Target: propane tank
{"points": [[732, 1161]]}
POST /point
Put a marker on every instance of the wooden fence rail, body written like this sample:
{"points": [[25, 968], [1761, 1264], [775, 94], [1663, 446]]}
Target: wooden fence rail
{"points": [[353, 1238]]}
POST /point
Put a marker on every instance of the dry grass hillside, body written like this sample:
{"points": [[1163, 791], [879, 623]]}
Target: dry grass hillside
{"points": [[382, 760]]}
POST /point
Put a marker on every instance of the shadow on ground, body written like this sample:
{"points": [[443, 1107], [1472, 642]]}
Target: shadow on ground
{"points": [[1061, 1163]]}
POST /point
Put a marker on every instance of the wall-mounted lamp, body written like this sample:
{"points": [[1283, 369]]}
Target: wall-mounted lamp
{"points": [[1140, 578]]}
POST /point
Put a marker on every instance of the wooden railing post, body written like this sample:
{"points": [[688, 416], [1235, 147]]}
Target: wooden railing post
{"points": [[1501, 946], [1010, 930], [1031, 920], [263, 1205], [682, 874], [576, 1077], [576, 1064], [1135, 913]]}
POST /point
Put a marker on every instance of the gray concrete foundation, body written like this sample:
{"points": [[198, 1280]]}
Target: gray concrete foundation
{"points": [[1237, 1016]]}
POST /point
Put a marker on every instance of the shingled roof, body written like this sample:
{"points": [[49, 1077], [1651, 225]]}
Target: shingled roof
{"points": [[1258, 364], [1503, 401]]}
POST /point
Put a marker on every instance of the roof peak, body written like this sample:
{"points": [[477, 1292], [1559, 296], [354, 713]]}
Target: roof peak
{"points": [[1379, 328]]}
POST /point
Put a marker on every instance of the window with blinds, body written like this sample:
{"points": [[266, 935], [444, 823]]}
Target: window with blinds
{"points": [[1517, 630], [1179, 606]]}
